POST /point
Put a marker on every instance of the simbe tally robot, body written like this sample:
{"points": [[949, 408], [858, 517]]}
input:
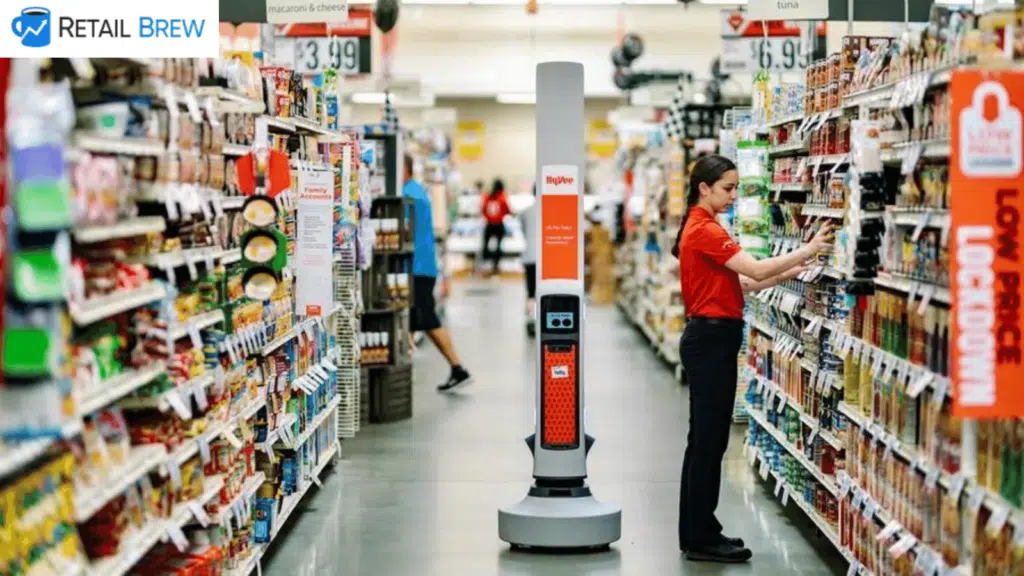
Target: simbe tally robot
{"points": [[559, 511]]}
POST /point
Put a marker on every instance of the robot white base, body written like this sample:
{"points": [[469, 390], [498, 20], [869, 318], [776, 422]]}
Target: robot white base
{"points": [[560, 523]]}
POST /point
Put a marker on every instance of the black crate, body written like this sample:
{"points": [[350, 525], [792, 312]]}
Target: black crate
{"points": [[365, 399], [391, 394]]}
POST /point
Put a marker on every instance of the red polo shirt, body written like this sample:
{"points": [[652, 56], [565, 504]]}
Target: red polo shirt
{"points": [[709, 289]]}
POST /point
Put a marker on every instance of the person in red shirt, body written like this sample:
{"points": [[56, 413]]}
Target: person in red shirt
{"points": [[494, 207], [714, 273]]}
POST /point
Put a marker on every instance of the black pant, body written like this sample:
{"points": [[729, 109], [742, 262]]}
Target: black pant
{"points": [[493, 231], [708, 350]]}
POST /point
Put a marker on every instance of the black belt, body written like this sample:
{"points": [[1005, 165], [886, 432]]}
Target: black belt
{"points": [[715, 321]]}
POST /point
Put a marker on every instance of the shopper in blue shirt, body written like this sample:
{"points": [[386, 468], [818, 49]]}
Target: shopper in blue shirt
{"points": [[423, 315]]}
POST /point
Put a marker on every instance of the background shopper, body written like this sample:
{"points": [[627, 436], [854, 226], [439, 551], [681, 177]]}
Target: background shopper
{"points": [[714, 273], [494, 207], [528, 218], [423, 315]]}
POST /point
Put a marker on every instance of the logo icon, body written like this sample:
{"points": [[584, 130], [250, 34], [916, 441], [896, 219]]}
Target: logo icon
{"points": [[33, 27], [991, 130]]}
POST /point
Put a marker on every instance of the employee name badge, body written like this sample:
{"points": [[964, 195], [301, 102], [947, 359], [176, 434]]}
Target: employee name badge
{"points": [[991, 130]]}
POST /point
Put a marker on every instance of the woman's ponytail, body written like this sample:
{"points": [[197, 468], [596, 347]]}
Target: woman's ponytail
{"points": [[706, 170]]}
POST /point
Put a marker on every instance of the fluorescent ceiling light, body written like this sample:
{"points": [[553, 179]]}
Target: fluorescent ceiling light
{"points": [[517, 98], [397, 100], [368, 98]]}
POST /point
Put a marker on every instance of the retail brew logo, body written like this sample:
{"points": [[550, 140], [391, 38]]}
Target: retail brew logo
{"points": [[32, 27]]}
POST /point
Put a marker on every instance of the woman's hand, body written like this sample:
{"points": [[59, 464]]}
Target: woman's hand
{"points": [[821, 239]]}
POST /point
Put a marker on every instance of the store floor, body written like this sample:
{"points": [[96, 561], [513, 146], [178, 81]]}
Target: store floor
{"points": [[420, 498]]}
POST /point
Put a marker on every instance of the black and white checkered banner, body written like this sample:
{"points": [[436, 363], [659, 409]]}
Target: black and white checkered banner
{"points": [[675, 120], [390, 115]]}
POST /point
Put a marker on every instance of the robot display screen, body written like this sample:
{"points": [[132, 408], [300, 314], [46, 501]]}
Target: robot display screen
{"points": [[560, 314], [559, 320]]}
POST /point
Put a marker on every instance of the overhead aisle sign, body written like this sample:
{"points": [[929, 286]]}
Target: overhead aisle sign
{"points": [[749, 45], [788, 9], [312, 47], [986, 177]]}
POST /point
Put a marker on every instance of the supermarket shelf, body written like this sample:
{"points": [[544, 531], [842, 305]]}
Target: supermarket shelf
{"points": [[113, 389], [281, 518], [317, 422], [141, 460], [126, 146], [283, 124], [882, 95], [931, 149], [828, 159], [231, 256], [182, 257], [231, 101], [760, 326], [232, 202], [248, 412], [311, 126], [821, 523], [790, 149], [102, 307], [248, 491], [790, 187], [939, 293], [15, 458], [201, 321], [161, 401], [928, 218], [820, 476], [822, 211], [236, 149], [826, 435], [786, 120], [121, 229], [134, 549]]}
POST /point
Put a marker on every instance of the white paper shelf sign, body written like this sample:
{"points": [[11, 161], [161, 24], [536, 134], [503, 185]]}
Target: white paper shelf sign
{"points": [[314, 291], [304, 11]]}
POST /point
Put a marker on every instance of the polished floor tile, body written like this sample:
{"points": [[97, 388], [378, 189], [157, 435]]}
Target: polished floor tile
{"points": [[420, 498]]}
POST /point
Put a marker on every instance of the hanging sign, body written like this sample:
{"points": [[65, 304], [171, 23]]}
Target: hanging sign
{"points": [[986, 178], [469, 140], [750, 44], [602, 139], [314, 294], [344, 44], [788, 9]]}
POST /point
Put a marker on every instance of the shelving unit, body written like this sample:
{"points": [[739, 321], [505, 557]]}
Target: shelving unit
{"points": [[174, 374], [848, 375]]}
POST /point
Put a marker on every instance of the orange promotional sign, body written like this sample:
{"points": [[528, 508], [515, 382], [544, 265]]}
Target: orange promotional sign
{"points": [[560, 223], [985, 253]]}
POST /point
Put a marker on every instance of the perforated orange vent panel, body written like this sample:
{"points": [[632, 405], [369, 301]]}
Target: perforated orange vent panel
{"points": [[559, 406]]}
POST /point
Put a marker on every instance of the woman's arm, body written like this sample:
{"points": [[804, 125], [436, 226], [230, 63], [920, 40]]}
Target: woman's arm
{"points": [[762, 270], [749, 285]]}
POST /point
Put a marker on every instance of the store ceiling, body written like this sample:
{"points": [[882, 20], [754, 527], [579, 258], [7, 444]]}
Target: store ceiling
{"points": [[865, 10]]}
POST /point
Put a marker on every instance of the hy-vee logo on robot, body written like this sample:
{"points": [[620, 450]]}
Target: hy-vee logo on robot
{"points": [[559, 180]]}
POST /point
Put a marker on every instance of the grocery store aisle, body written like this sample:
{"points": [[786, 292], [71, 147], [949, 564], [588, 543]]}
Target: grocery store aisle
{"points": [[420, 498]]}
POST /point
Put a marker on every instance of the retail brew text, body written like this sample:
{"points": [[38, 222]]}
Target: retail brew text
{"points": [[120, 28]]}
